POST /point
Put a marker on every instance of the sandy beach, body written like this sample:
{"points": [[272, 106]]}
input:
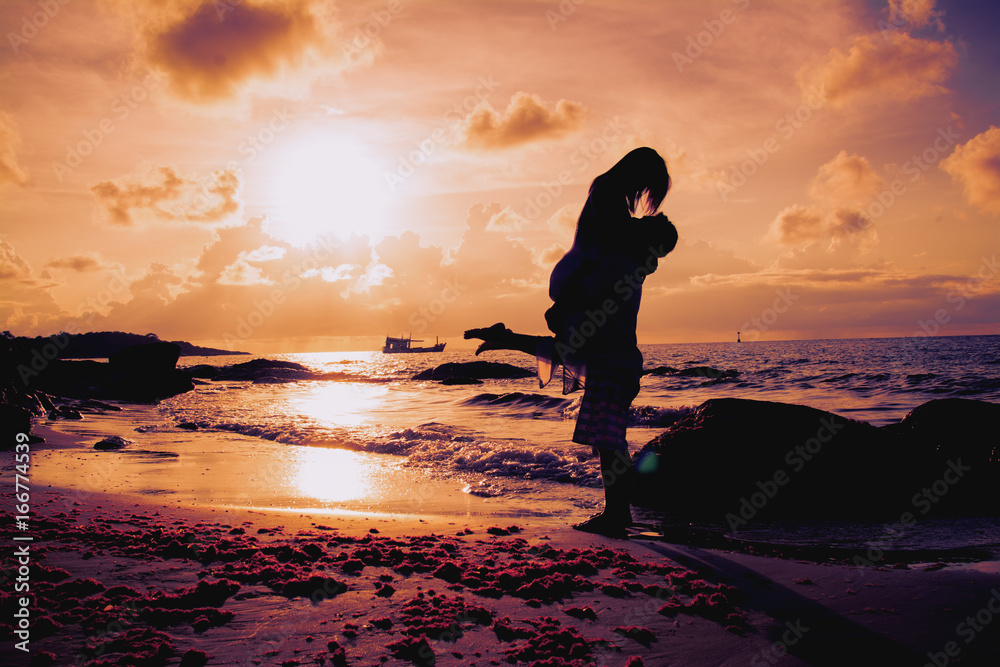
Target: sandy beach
{"points": [[121, 577]]}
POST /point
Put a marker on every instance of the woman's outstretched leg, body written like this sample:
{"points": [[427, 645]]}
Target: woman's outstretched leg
{"points": [[499, 337]]}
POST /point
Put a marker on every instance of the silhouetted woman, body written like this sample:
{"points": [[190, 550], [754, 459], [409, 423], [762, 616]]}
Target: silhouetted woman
{"points": [[596, 289]]}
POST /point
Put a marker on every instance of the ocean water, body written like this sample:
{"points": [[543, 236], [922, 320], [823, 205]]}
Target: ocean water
{"points": [[510, 439]]}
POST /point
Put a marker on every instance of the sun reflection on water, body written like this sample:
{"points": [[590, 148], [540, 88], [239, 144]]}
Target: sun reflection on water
{"points": [[339, 403], [332, 475]]}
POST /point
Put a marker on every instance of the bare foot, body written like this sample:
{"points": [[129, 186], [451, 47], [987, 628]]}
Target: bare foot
{"points": [[605, 524]]}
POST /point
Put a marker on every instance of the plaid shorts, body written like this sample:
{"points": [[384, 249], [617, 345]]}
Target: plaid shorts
{"points": [[603, 414]]}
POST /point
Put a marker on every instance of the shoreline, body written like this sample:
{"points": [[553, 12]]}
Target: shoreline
{"points": [[118, 575], [729, 607]]}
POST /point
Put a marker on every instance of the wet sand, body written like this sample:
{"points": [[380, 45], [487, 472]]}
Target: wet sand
{"points": [[408, 572]]}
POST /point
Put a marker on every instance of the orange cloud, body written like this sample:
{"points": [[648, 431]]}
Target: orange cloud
{"points": [[526, 119], [894, 64], [846, 178], [10, 141], [977, 165], [80, 263], [914, 13], [213, 52], [12, 265], [797, 224], [802, 225], [175, 198]]}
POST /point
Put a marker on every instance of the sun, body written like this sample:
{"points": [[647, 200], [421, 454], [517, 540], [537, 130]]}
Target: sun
{"points": [[323, 183]]}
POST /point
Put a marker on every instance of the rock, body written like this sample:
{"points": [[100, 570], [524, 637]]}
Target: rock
{"points": [[935, 425], [265, 371], [203, 371], [153, 358], [64, 412], [113, 442], [474, 370], [13, 420], [798, 460], [460, 380], [742, 459]]}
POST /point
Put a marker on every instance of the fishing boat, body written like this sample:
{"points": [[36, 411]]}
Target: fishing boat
{"points": [[394, 345]]}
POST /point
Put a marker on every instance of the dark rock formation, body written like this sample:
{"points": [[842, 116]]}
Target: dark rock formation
{"points": [[13, 420], [265, 370], [113, 442], [460, 380], [746, 459], [64, 412], [133, 375], [953, 427], [474, 370], [150, 358]]}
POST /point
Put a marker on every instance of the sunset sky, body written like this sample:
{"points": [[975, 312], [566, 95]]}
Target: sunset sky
{"points": [[306, 175]]}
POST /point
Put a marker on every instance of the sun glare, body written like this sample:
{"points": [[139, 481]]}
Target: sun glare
{"points": [[323, 183]]}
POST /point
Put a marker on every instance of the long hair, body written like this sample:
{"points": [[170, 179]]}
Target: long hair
{"points": [[640, 181]]}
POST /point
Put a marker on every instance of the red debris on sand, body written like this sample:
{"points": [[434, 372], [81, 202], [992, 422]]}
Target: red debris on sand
{"points": [[42, 659], [553, 645], [441, 617], [139, 647], [194, 658], [316, 587], [714, 605], [614, 591], [204, 594], [414, 649]]}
